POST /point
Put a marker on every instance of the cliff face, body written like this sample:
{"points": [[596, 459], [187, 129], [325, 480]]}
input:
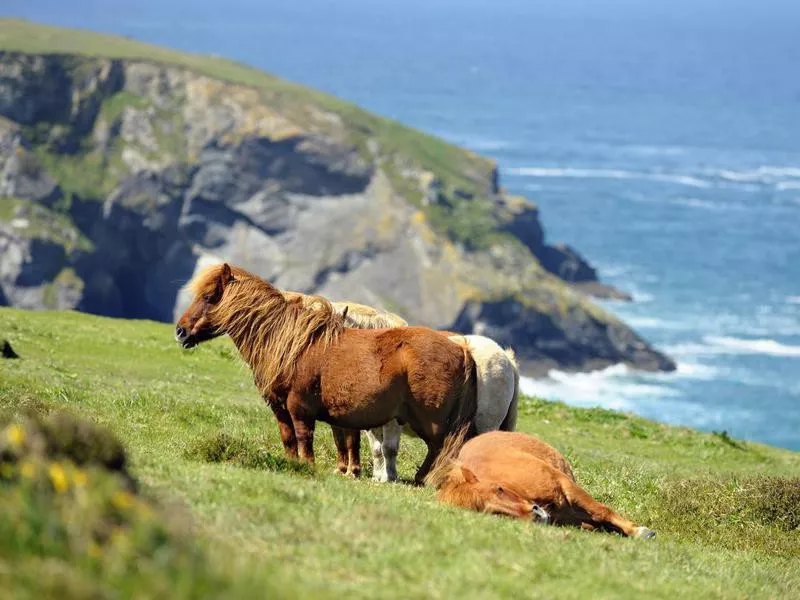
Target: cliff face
{"points": [[121, 174]]}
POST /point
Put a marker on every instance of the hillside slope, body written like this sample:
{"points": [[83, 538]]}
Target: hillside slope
{"points": [[726, 512], [124, 166]]}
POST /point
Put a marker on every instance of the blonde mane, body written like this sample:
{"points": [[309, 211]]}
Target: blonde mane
{"points": [[358, 316], [271, 332]]}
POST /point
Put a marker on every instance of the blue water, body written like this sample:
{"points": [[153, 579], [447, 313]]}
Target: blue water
{"points": [[661, 139]]}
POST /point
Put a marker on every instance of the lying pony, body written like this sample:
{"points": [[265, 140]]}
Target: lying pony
{"points": [[518, 475]]}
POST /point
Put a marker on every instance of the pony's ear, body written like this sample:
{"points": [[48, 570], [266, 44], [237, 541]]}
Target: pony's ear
{"points": [[224, 278], [227, 274], [344, 312], [468, 475]]}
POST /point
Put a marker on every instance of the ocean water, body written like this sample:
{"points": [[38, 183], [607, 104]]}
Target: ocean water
{"points": [[660, 139]]}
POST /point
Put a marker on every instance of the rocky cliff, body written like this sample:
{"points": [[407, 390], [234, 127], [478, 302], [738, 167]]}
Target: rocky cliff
{"points": [[124, 167]]}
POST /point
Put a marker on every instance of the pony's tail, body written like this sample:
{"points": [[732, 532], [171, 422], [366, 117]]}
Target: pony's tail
{"points": [[462, 426], [510, 421], [446, 460], [468, 403]]}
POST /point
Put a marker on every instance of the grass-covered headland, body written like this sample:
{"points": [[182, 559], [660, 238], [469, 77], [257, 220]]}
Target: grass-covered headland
{"points": [[196, 499]]}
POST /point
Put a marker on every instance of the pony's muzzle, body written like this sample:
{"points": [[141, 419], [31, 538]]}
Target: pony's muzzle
{"points": [[182, 336], [539, 514]]}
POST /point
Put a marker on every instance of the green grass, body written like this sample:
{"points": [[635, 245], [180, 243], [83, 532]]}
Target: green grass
{"points": [[197, 433], [115, 105]]}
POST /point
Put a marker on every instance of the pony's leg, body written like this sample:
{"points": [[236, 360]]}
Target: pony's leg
{"points": [[304, 429], [340, 439], [378, 463], [286, 428], [390, 447], [434, 448], [353, 443], [585, 510]]}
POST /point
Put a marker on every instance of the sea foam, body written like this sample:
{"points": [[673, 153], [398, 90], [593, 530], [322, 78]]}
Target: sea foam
{"points": [[579, 173], [733, 345]]}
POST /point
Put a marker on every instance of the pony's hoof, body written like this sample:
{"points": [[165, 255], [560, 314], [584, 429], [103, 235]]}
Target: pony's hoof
{"points": [[539, 515], [644, 533], [353, 473]]}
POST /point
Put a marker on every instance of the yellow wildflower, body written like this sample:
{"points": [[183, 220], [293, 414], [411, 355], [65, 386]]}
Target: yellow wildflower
{"points": [[58, 477], [122, 500], [16, 435], [79, 478], [27, 469], [94, 550], [143, 510], [118, 537]]}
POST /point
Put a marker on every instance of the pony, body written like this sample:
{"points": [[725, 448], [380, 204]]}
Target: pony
{"points": [[498, 389], [509, 473], [348, 442], [498, 398], [308, 366]]}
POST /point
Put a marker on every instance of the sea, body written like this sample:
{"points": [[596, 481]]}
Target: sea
{"points": [[661, 139]]}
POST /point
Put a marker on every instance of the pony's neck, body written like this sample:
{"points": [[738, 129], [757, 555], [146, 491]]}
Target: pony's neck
{"points": [[251, 318], [271, 333]]}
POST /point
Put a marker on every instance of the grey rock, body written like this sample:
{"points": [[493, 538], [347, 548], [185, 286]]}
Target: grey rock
{"points": [[21, 173], [565, 262], [571, 342]]}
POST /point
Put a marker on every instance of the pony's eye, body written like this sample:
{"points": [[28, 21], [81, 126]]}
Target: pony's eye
{"points": [[499, 490]]}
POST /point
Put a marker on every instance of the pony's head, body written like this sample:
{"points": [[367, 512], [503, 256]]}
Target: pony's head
{"points": [[271, 332], [463, 488], [195, 326]]}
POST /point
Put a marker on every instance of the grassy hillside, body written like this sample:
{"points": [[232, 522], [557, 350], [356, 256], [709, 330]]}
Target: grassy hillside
{"points": [[456, 167], [726, 512]]}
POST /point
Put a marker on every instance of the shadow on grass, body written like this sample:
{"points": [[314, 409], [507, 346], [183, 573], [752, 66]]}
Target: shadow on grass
{"points": [[221, 447]]}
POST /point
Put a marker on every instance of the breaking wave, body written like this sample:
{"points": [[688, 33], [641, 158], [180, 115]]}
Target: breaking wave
{"points": [[577, 173]]}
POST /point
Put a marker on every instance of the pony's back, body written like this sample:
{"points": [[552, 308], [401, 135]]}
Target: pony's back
{"points": [[495, 444], [361, 316], [498, 383]]}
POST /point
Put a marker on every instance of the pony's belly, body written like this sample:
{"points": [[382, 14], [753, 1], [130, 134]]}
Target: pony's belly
{"points": [[364, 415], [361, 401], [532, 479]]}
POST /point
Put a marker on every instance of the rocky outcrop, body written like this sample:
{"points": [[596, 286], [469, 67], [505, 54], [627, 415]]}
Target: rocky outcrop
{"points": [[559, 259], [119, 178], [568, 265], [570, 340]]}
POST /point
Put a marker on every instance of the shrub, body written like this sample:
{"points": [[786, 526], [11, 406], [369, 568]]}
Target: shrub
{"points": [[761, 513], [223, 448], [67, 499]]}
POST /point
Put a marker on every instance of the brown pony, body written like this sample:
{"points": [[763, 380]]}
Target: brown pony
{"points": [[358, 316], [315, 369], [504, 465]]}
